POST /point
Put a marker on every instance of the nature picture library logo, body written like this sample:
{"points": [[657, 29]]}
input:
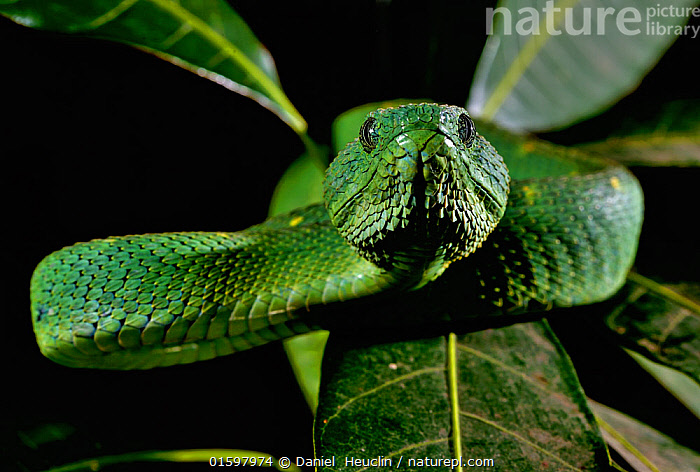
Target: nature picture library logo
{"points": [[578, 19]]}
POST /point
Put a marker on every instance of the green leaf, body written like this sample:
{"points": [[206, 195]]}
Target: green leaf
{"points": [[660, 321], [670, 137], [677, 383], [641, 446], [536, 73], [508, 394], [301, 185], [203, 456], [305, 354], [204, 36], [45, 433]]}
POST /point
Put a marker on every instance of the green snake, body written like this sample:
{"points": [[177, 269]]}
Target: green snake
{"points": [[419, 203]]}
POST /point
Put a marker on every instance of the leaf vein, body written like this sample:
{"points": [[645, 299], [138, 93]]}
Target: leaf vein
{"points": [[215, 60], [180, 33], [520, 438], [110, 15], [506, 367], [410, 447], [388, 383]]}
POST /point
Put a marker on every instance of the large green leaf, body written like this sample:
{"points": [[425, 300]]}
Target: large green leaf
{"points": [[646, 449], [507, 394], [204, 36], [537, 73], [660, 321], [667, 135]]}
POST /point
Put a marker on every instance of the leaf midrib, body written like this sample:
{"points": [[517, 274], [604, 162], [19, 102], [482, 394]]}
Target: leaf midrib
{"points": [[523, 60], [453, 388]]}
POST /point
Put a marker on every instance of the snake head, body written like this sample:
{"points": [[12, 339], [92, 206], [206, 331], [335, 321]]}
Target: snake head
{"points": [[418, 189]]}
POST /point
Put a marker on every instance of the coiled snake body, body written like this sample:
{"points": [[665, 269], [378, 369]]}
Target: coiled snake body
{"points": [[419, 202]]}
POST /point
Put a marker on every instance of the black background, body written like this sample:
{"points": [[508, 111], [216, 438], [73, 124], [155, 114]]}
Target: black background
{"points": [[100, 139]]}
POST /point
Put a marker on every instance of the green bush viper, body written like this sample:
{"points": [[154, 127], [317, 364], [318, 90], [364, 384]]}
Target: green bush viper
{"points": [[419, 190]]}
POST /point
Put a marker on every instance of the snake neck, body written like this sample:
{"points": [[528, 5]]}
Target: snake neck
{"points": [[420, 251], [416, 265]]}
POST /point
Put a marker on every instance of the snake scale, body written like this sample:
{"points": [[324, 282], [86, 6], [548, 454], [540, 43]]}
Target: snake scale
{"points": [[419, 203]]}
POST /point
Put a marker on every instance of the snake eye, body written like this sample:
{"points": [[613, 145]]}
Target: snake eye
{"points": [[368, 134], [466, 129]]}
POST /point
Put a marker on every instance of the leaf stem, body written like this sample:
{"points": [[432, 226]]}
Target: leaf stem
{"points": [[616, 439], [185, 455]]}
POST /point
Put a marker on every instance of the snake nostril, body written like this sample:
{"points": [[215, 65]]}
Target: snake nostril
{"points": [[41, 312], [435, 168], [427, 174]]}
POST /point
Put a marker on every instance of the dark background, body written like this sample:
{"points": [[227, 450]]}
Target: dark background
{"points": [[100, 139]]}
